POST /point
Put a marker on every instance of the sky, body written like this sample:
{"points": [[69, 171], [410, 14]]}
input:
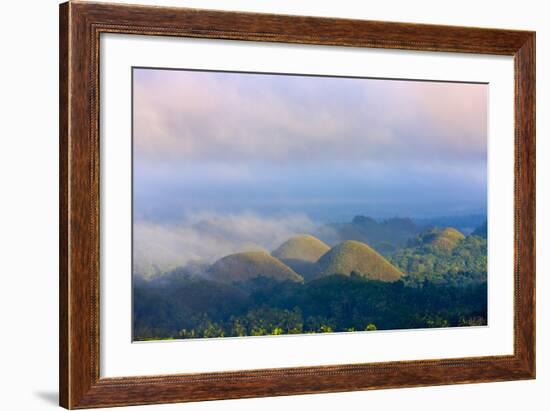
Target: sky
{"points": [[322, 149], [325, 146]]}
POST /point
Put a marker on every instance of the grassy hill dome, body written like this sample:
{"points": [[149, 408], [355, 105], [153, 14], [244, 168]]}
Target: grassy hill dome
{"points": [[446, 239], [302, 247], [301, 254], [358, 257], [245, 266]]}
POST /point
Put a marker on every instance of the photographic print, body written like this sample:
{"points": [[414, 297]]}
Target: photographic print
{"points": [[290, 205], [276, 204]]}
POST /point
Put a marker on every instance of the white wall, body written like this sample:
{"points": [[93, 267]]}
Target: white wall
{"points": [[28, 206]]}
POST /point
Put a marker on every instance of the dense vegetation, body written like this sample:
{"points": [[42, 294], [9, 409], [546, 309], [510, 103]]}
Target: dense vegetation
{"points": [[191, 308], [464, 264], [437, 278]]}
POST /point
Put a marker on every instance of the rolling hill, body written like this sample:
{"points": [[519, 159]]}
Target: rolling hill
{"points": [[301, 254], [354, 256], [245, 266], [445, 239], [301, 247]]}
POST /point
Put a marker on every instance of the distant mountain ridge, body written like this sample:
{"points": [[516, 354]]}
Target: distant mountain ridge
{"points": [[384, 236], [387, 236], [481, 231], [463, 223]]}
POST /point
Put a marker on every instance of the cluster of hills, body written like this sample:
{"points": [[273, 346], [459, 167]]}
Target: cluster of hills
{"points": [[305, 257], [387, 236], [364, 247], [435, 277]]}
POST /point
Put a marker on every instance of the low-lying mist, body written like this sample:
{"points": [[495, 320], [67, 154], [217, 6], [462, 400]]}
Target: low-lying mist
{"points": [[205, 237]]}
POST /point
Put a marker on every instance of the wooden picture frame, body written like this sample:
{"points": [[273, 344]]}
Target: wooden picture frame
{"points": [[80, 27]]}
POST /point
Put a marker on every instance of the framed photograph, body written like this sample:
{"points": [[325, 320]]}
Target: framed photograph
{"points": [[259, 205]]}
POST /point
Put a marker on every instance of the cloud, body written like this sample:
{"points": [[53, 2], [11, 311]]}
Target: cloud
{"points": [[207, 236], [185, 117], [321, 146]]}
